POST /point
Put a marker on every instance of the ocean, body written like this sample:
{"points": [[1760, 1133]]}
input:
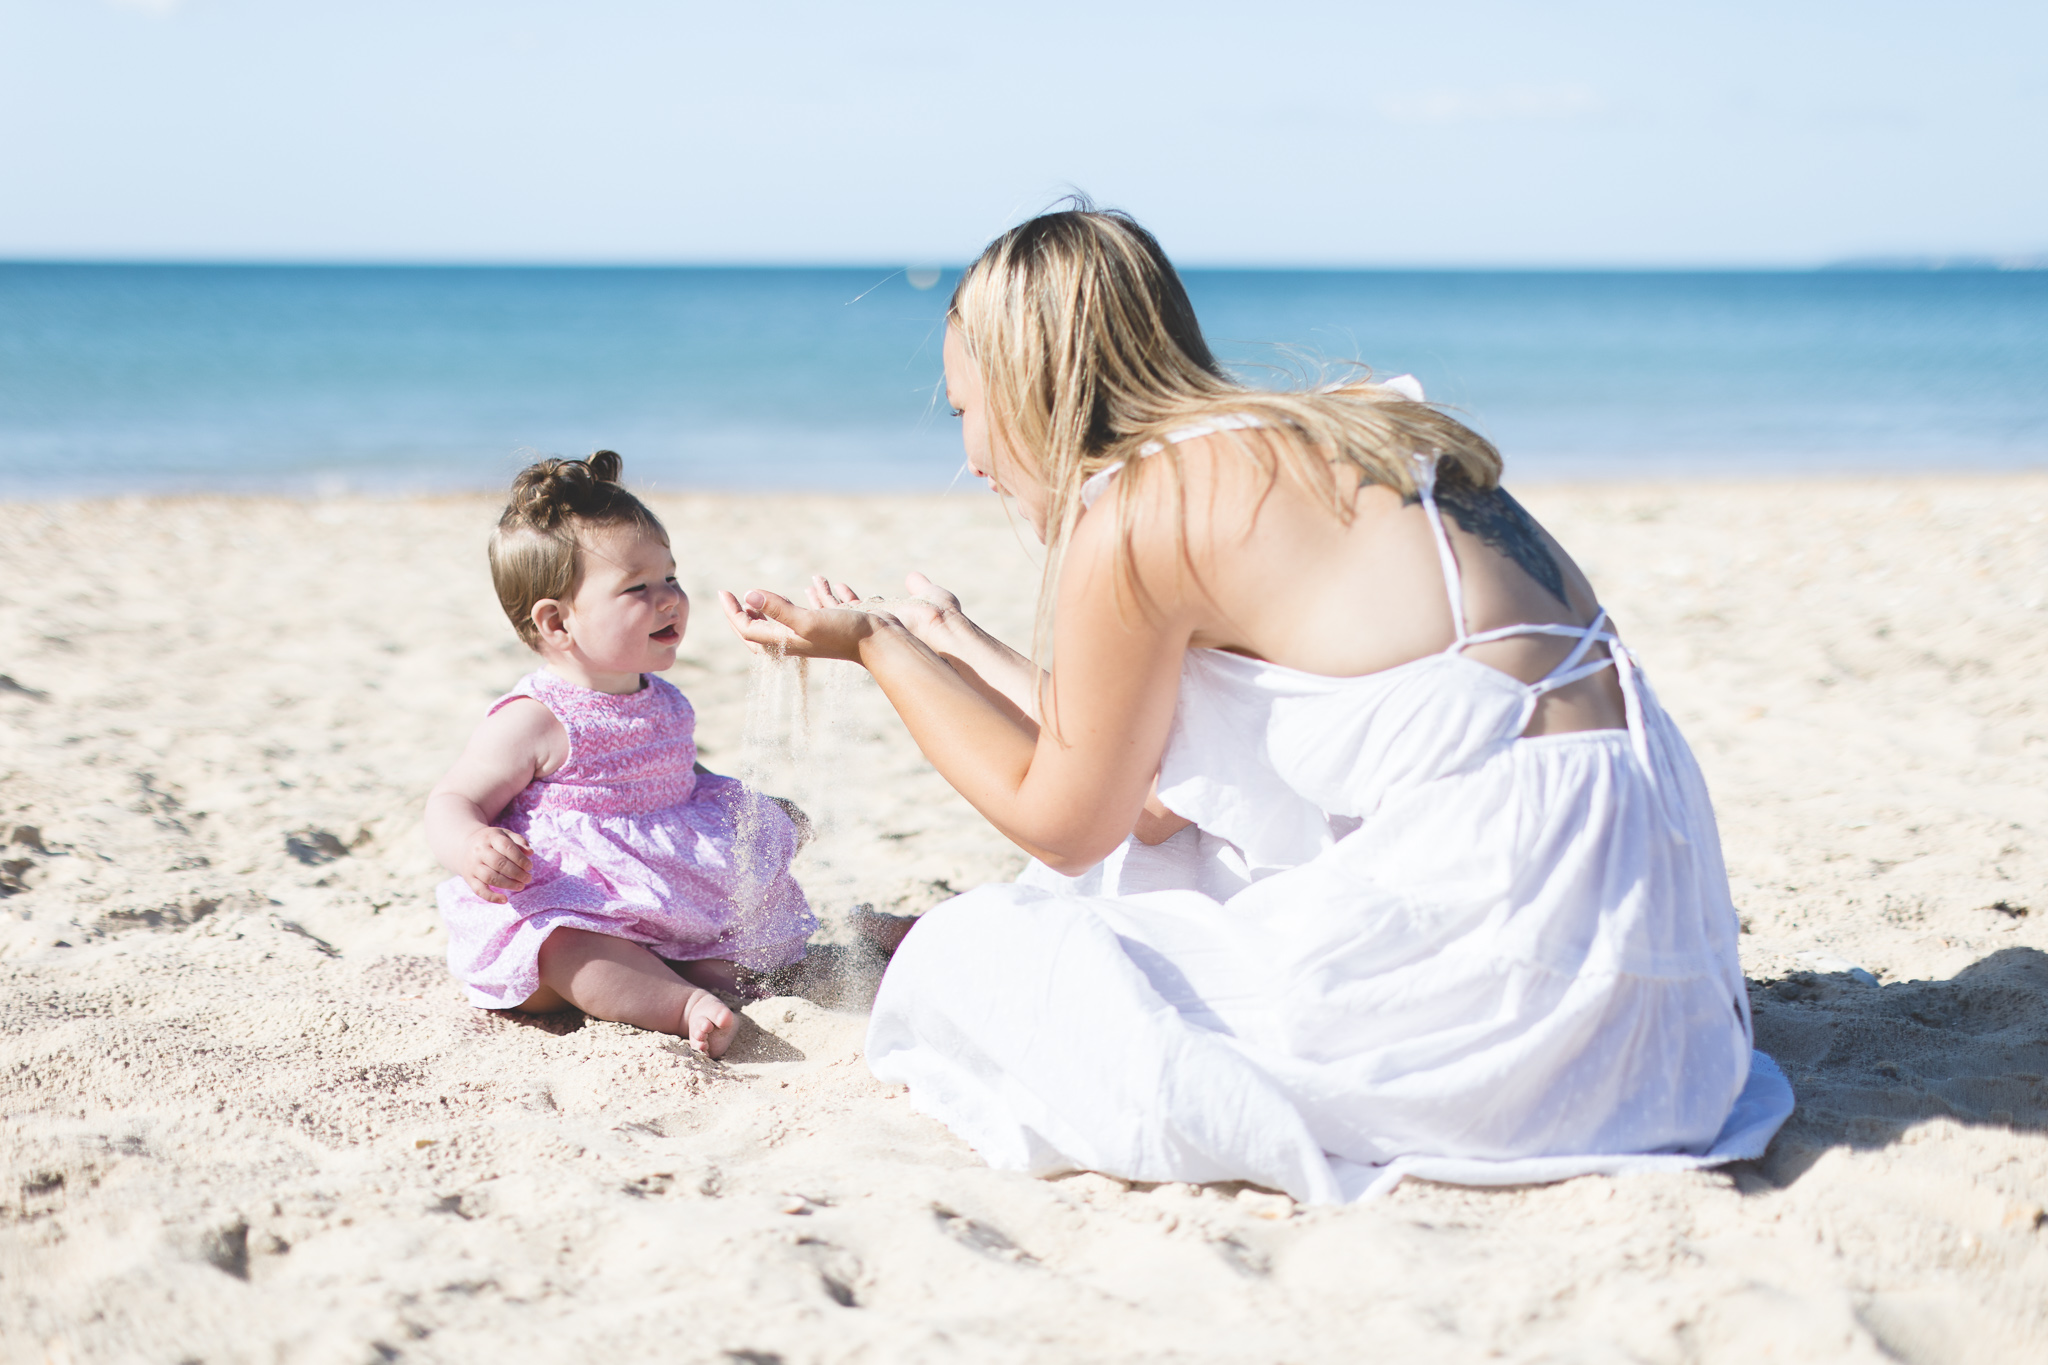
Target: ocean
{"points": [[123, 379]]}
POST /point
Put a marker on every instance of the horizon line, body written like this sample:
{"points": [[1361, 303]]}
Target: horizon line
{"points": [[1900, 263]]}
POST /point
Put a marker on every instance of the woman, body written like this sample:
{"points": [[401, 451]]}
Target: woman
{"points": [[1362, 848]]}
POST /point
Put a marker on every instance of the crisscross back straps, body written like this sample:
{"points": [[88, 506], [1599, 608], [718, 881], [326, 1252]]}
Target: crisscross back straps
{"points": [[1574, 665]]}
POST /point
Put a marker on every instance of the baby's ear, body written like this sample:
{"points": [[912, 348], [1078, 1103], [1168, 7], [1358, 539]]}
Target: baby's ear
{"points": [[547, 619]]}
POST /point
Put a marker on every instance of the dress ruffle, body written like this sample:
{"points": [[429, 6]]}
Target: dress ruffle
{"points": [[706, 879]]}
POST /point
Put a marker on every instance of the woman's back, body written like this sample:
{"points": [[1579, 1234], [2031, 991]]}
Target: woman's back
{"points": [[1277, 577]]}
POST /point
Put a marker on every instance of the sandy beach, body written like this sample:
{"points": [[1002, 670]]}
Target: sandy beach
{"points": [[247, 1116]]}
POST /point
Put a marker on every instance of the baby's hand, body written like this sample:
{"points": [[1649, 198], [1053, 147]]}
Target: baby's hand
{"points": [[494, 858]]}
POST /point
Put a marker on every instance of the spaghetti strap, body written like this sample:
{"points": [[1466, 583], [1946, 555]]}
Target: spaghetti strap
{"points": [[1454, 585]]}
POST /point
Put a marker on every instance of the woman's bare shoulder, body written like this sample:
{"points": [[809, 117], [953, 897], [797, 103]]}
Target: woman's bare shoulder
{"points": [[1207, 533], [1208, 491]]}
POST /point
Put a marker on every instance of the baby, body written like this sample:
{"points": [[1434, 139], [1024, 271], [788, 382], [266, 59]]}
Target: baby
{"points": [[587, 844]]}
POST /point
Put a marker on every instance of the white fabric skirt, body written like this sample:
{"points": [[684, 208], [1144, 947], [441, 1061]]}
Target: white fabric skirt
{"points": [[1311, 1035]]}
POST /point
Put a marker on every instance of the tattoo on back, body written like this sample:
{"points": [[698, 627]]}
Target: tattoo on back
{"points": [[1503, 525]]}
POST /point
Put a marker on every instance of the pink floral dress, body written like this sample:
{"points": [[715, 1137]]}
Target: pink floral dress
{"points": [[628, 840]]}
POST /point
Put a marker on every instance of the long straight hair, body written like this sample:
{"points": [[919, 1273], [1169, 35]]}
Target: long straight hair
{"points": [[1089, 353]]}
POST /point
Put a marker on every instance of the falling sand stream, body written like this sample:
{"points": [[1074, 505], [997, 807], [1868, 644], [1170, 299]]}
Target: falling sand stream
{"points": [[798, 745]]}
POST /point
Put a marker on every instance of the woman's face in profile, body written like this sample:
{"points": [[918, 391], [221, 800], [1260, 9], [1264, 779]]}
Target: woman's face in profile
{"points": [[1014, 479]]}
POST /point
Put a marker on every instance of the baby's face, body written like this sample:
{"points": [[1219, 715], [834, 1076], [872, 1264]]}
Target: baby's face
{"points": [[628, 615]]}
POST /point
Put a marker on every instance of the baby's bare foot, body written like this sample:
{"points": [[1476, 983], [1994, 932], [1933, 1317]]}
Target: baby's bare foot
{"points": [[707, 1023]]}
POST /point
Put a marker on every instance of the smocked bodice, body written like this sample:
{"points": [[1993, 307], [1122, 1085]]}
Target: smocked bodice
{"points": [[628, 755]]}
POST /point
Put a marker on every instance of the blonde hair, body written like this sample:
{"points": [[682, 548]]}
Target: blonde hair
{"points": [[1089, 351], [537, 551]]}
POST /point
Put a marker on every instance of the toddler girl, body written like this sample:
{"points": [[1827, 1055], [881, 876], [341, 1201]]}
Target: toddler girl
{"points": [[587, 845]]}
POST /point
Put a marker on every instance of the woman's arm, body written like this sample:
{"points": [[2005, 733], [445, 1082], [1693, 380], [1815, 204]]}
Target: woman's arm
{"points": [[515, 744], [915, 678], [1070, 797], [934, 616]]}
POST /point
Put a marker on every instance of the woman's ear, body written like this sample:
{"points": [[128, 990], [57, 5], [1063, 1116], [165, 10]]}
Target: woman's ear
{"points": [[552, 623]]}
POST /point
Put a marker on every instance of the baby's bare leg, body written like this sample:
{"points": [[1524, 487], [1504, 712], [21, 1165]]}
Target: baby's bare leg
{"points": [[612, 979], [716, 974]]}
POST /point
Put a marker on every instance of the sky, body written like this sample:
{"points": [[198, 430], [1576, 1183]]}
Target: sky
{"points": [[1462, 133]]}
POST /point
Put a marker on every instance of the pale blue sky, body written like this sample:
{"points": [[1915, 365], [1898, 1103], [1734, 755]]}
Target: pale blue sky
{"points": [[1474, 132]]}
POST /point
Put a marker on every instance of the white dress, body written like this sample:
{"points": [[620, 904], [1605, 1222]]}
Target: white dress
{"points": [[1401, 939]]}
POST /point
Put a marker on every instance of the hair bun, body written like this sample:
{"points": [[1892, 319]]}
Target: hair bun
{"points": [[547, 492]]}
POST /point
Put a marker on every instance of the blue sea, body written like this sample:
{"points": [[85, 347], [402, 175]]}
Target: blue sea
{"points": [[118, 379]]}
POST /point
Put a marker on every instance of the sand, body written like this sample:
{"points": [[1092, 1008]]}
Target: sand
{"points": [[245, 1115]]}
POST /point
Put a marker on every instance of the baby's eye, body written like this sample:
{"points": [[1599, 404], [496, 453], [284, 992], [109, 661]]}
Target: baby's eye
{"points": [[638, 587], [954, 411]]}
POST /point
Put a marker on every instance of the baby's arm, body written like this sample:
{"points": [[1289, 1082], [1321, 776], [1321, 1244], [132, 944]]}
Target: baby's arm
{"points": [[517, 743]]}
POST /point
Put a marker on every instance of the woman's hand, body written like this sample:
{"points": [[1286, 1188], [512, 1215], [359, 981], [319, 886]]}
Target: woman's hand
{"points": [[494, 858], [772, 623], [923, 612]]}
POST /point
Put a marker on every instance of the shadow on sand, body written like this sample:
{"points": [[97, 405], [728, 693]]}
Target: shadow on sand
{"points": [[1867, 1062], [834, 976]]}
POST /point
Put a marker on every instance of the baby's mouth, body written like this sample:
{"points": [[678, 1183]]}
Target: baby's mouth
{"points": [[667, 635]]}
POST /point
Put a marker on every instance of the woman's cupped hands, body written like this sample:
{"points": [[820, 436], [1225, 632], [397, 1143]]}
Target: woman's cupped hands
{"points": [[837, 619]]}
